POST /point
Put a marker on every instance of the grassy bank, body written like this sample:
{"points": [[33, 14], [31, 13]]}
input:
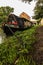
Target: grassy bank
{"points": [[18, 49]]}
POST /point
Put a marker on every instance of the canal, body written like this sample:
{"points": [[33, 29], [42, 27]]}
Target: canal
{"points": [[2, 36]]}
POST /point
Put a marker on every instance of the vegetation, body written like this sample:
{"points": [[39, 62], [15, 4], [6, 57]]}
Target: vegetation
{"points": [[18, 49], [26, 0], [38, 10], [4, 12]]}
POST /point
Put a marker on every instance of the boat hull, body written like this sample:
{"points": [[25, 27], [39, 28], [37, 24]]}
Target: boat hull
{"points": [[11, 30]]}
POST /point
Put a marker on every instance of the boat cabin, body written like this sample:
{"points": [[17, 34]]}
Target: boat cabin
{"points": [[21, 22]]}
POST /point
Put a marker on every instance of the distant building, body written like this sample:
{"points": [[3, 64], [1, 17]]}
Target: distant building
{"points": [[24, 15]]}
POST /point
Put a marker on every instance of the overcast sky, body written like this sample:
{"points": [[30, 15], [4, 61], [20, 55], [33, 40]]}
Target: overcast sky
{"points": [[19, 6]]}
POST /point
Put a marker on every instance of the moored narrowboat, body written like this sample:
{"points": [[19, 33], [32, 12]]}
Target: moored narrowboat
{"points": [[15, 23]]}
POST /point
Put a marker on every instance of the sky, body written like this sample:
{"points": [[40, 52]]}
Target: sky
{"points": [[19, 6]]}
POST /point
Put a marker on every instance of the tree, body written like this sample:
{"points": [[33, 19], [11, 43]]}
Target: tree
{"points": [[4, 12], [27, 0], [38, 10]]}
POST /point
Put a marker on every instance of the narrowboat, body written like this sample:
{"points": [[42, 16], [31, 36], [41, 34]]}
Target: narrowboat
{"points": [[15, 23]]}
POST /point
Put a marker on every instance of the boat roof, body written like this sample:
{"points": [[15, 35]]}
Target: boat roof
{"points": [[17, 18]]}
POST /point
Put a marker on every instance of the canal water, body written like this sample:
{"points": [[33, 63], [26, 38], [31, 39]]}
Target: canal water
{"points": [[2, 36], [0, 39]]}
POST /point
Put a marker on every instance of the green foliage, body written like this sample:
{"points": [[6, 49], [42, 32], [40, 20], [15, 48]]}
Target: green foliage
{"points": [[4, 12], [23, 61], [38, 10], [17, 49], [38, 21], [26, 0]]}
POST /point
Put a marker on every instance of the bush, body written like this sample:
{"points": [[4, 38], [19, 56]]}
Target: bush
{"points": [[17, 49]]}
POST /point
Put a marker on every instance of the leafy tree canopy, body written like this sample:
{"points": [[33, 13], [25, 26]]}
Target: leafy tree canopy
{"points": [[38, 10], [4, 12], [26, 0]]}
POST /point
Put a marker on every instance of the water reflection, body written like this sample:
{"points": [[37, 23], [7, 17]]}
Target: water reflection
{"points": [[2, 37]]}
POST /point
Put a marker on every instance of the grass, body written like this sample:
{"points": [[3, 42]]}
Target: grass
{"points": [[17, 49]]}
